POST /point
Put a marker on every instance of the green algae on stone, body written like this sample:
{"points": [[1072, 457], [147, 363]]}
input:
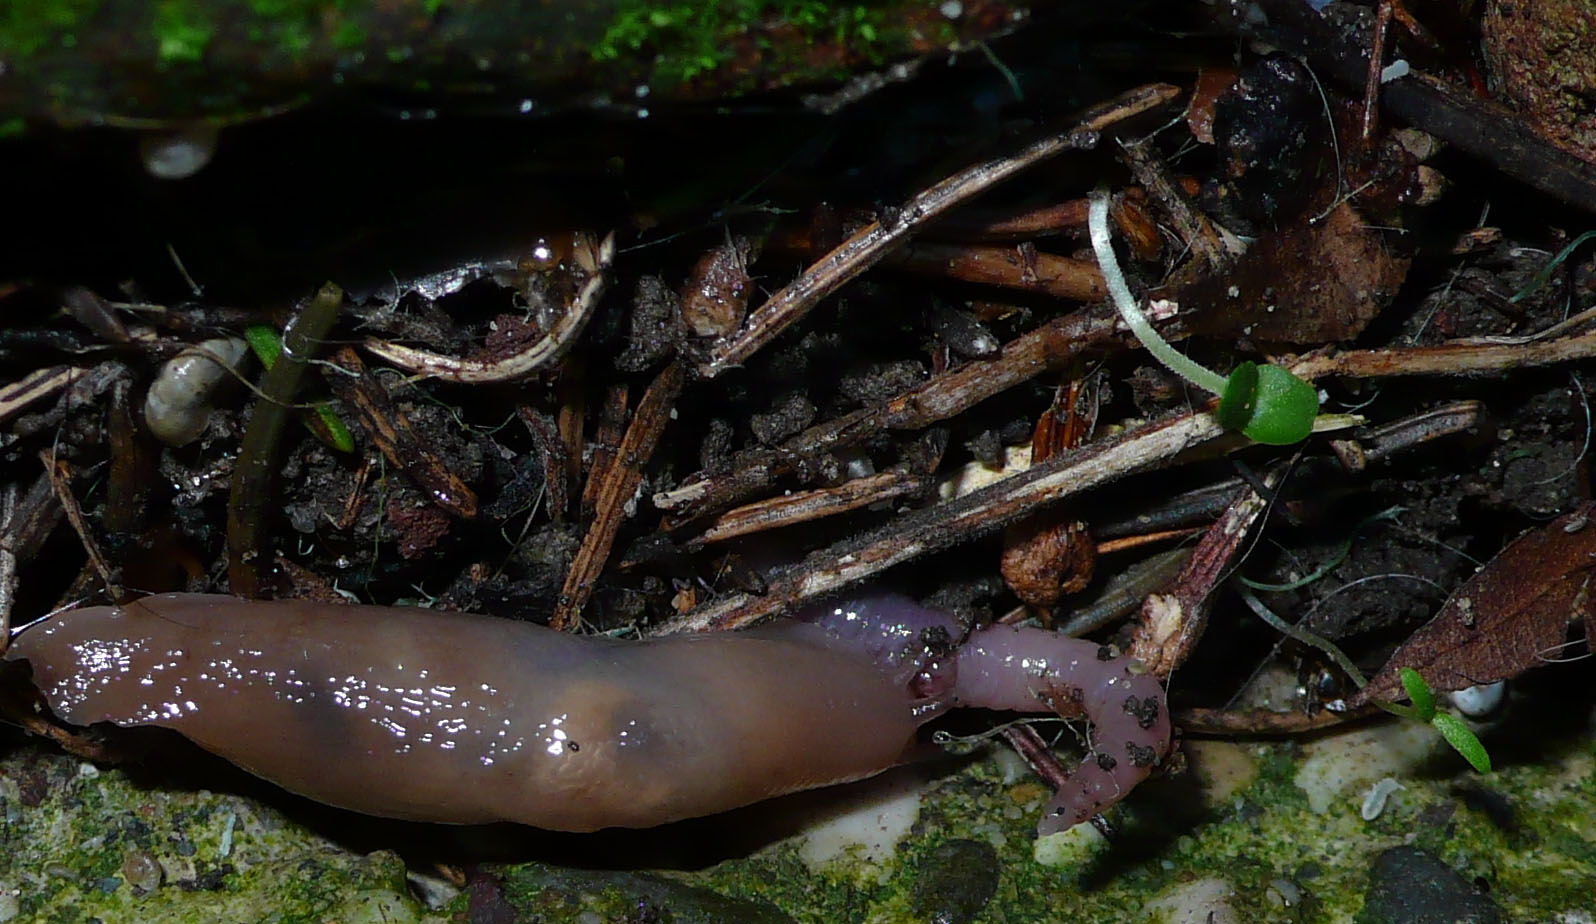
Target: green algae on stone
{"points": [[1264, 839], [221, 857]]}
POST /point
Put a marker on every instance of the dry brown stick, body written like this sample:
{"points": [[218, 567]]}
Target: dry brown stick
{"points": [[875, 240], [1172, 622], [37, 385], [972, 224], [1028, 743], [1021, 268], [607, 438], [1213, 244], [1230, 723], [60, 472], [590, 258], [1111, 546], [621, 479], [1457, 357], [935, 399], [571, 419], [941, 526], [390, 431], [1371, 86], [805, 506], [552, 456]]}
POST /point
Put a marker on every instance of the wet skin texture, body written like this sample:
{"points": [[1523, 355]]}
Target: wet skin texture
{"points": [[450, 717]]}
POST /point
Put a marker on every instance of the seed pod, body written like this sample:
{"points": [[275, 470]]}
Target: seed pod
{"points": [[715, 297]]}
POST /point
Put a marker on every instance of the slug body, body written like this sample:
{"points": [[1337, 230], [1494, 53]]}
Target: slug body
{"points": [[447, 717]]}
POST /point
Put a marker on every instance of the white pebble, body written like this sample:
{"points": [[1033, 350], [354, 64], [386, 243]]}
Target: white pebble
{"points": [[1481, 700], [178, 154]]}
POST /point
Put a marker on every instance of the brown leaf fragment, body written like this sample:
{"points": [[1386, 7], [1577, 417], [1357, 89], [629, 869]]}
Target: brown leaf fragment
{"points": [[1307, 284], [1504, 620]]}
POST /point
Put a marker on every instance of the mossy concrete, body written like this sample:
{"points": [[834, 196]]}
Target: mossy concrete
{"points": [[1238, 817], [172, 62]]}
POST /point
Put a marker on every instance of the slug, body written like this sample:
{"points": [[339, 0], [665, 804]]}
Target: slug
{"points": [[446, 717]]}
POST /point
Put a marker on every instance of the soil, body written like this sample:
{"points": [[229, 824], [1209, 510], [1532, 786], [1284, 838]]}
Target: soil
{"points": [[461, 236]]}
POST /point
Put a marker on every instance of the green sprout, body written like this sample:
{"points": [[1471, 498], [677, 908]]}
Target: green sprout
{"points": [[1541, 278], [1457, 734], [1266, 403], [327, 426], [1452, 728]]}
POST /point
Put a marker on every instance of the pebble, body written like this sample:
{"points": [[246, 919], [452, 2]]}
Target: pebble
{"points": [[1409, 885]]}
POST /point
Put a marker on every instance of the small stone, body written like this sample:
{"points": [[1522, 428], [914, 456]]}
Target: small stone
{"points": [[142, 871], [1408, 885], [956, 880]]}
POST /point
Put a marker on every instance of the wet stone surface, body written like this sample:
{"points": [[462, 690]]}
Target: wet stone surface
{"points": [[1409, 885], [956, 881]]}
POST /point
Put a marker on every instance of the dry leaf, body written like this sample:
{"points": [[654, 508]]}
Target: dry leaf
{"points": [[1506, 619], [1306, 284]]}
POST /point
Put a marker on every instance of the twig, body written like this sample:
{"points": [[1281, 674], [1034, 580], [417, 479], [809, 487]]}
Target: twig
{"points": [[1172, 622], [607, 436], [1028, 743], [15, 397], [805, 506], [1216, 246], [1474, 356], [552, 457], [1021, 268], [621, 479], [938, 398], [933, 529], [875, 240], [544, 351], [1371, 85], [390, 431], [60, 472], [1227, 723]]}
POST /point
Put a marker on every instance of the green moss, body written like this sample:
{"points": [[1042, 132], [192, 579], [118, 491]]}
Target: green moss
{"points": [[182, 30], [691, 40], [66, 846], [27, 26], [349, 36]]}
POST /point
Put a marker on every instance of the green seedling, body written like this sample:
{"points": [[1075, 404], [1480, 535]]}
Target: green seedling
{"points": [[320, 419], [1457, 734], [1452, 728], [1545, 275], [1265, 403]]}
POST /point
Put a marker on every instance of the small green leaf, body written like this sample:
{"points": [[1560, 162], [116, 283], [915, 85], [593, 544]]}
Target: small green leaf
{"points": [[1240, 397], [330, 429], [1463, 740], [266, 342], [1284, 409], [1419, 693]]}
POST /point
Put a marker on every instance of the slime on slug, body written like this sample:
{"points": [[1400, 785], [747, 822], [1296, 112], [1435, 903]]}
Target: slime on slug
{"points": [[446, 717]]}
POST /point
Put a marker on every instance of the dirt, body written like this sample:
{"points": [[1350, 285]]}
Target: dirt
{"points": [[1348, 248]]}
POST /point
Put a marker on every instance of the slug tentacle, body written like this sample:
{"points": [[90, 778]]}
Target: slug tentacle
{"points": [[1019, 669]]}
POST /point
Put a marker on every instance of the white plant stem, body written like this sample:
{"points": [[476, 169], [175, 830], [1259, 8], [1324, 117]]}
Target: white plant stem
{"points": [[1178, 362]]}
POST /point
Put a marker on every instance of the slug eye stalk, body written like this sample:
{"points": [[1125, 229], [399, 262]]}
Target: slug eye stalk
{"points": [[1267, 404]]}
